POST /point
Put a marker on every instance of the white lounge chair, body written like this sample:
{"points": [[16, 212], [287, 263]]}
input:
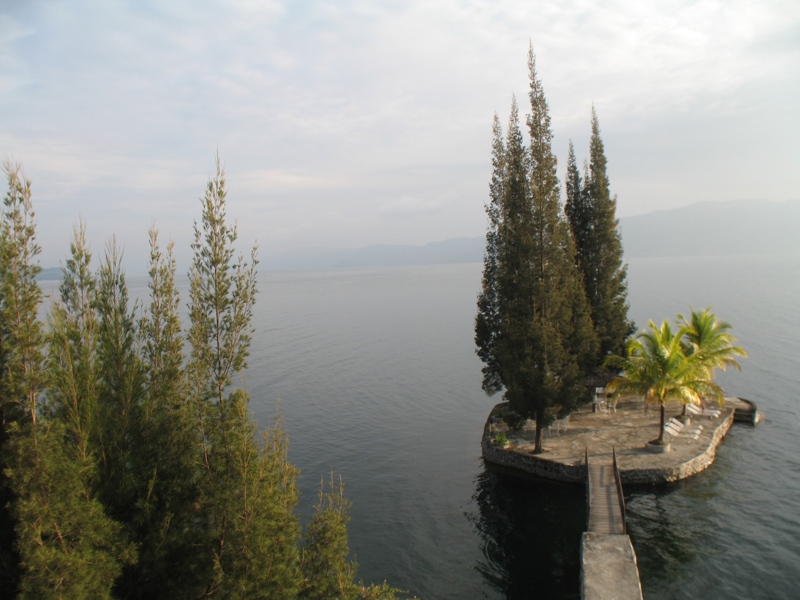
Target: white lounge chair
{"points": [[694, 410]]}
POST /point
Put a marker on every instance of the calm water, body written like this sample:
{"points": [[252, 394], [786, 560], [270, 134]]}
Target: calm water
{"points": [[376, 376]]}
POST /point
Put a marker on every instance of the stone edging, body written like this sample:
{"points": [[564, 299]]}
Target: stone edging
{"points": [[538, 466], [526, 462]]}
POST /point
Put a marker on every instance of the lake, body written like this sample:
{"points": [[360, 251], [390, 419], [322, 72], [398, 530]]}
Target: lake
{"points": [[375, 373]]}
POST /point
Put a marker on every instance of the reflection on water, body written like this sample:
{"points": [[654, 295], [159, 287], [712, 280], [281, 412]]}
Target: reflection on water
{"points": [[531, 534], [667, 525]]}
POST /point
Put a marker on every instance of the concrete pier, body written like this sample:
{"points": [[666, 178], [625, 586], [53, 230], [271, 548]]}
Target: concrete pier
{"points": [[608, 568]]}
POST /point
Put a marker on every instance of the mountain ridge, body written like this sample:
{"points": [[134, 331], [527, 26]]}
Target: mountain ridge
{"points": [[701, 229]]}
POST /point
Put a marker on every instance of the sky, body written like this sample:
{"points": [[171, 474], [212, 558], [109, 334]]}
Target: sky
{"points": [[348, 123]]}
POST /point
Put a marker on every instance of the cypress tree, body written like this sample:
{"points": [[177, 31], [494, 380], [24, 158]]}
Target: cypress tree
{"points": [[164, 522], [540, 341], [23, 376], [327, 573], [120, 381], [72, 355], [68, 547], [592, 216], [487, 322], [241, 481]]}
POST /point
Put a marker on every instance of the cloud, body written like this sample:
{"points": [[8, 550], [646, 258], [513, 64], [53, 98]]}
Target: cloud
{"points": [[335, 118]]}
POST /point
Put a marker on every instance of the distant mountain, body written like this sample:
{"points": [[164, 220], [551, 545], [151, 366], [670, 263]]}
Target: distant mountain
{"points": [[701, 229], [714, 229]]}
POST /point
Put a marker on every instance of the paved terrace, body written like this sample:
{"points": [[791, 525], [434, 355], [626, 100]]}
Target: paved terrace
{"points": [[628, 429]]}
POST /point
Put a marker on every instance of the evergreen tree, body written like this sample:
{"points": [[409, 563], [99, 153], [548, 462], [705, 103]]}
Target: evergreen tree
{"points": [[540, 341], [164, 521], [487, 322], [23, 373], [72, 356], [120, 381], [326, 571], [68, 547], [239, 481], [22, 377], [592, 214]]}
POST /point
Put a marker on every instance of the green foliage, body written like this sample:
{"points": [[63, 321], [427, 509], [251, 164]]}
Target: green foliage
{"points": [[380, 591], [709, 341], [120, 389], [68, 547], [500, 439], [163, 520], [326, 571], [22, 336], [658, 368], [126, 473], [247, 490], [591, 211], [72, 353], [533, 329], [22, 373]]}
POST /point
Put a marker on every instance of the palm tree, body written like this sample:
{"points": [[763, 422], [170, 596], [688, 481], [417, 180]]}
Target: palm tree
{"points": [[657, 368], [710, 342]]}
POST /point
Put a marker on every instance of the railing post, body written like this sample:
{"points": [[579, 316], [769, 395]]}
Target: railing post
{"points": [[588, 487], [618, 481]]}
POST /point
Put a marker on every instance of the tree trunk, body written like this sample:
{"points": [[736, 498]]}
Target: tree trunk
{"points": [[537, 448], [661, 431]]}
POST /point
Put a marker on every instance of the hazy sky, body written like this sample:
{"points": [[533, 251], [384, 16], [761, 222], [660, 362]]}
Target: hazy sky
{"points": [[346, 123]]}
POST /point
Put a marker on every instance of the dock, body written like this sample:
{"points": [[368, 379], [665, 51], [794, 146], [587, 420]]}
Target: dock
{"points": [[608, 561]]}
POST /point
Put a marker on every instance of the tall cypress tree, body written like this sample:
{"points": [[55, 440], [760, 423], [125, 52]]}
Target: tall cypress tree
{"points": [[67, 546], [22, 373], [120, 381], [164, 523], [247, 496], [487, 322], [592, 214], [72, 355], [533, 330], [327, 573]]}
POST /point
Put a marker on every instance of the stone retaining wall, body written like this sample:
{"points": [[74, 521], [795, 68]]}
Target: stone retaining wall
{"points": [[683, 470], [525, 463]]}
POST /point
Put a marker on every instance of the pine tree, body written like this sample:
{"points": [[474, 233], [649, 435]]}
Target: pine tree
{"points": [[120, 381], [592, 215], [239, 481], [23, 376], [327, 573], [72, 356], [539, 341], [164, 522], [487, 322], [68, 547]]}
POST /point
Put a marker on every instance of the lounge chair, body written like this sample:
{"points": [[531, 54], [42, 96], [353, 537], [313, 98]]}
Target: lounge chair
{"points": [[696, 411], [672, 427]]}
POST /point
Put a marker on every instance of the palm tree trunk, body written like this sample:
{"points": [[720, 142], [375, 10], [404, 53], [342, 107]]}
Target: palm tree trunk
{"points": [[661, 430]]}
